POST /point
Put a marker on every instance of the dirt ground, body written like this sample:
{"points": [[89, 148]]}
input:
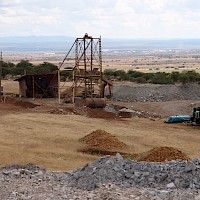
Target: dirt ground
{"points": [[42, 136], [52, 140]]}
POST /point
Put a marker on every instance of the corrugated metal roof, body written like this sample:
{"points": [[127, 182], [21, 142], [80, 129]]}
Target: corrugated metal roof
{"points": [[41, 74]]}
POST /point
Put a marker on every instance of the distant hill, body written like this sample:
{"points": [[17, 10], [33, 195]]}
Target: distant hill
{"points": [[63, 43], [35, 43]]}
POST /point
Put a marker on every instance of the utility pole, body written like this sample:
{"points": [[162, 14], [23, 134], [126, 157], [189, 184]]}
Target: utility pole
{"points": [[1, 64]]}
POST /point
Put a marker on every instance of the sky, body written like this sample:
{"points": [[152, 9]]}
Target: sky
{"points": [[129, 19]]}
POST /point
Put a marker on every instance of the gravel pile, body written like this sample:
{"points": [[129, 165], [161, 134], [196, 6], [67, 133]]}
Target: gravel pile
{"points": [[106, 178], [132, 92], [129, 173], [117, 110], [66, 111]]}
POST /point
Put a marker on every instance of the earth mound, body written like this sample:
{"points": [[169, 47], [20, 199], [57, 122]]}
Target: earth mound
{"points": [[102, 140], [96, 113], [20, 103], [162, 154]]}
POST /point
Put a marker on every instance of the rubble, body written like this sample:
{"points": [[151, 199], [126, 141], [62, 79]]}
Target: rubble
{"points": [[63, 111], [105, 178], [131, 92], [129, 173], [118, 110]]}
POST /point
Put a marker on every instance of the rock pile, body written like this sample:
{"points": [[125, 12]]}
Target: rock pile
{"points": [[132, 92], [162, 154], [106, 178], [100, 139], [129, 173], [63, 111], [116, 109]]}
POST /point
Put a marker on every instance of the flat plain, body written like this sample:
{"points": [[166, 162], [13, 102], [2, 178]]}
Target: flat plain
{"points": [[124, 60]]}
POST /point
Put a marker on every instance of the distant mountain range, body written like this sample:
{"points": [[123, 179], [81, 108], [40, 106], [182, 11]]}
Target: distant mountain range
{"points": [[63, 43]]}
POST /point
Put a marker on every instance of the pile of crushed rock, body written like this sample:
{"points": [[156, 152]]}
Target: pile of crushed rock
{"points": [[129, 173], [118, 110], [105, 178], [132, 92]]}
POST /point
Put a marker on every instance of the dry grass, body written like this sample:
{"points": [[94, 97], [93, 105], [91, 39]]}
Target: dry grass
{"points": [[51, 140]]}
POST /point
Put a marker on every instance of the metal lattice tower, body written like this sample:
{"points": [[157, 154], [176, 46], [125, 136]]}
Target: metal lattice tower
{"points": [[85, 60], [88, 67]]}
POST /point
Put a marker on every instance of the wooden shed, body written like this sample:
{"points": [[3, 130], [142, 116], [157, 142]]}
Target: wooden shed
{"points": [[38, 85]]}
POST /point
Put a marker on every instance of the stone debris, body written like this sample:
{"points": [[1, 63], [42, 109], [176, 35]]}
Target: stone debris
{"points": [[129, 173], [131, 92], [63, 111], [106, 178], [118, 110]]}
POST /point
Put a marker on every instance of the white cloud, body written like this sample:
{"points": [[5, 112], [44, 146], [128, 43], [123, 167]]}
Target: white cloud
{"points": [[110, 18]]}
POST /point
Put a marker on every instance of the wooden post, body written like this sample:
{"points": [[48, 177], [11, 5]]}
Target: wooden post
{"points": [[59, 86], [74, 87], [1, 64], [33, 82]]}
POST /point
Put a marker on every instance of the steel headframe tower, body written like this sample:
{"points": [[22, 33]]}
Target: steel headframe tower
{"points": [[88, 67]]}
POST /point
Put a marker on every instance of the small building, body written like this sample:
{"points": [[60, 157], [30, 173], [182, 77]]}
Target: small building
{"points": [[38, 85]]}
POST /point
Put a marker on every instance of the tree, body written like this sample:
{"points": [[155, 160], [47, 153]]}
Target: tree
{"points": [[23, 67], [109, 72], [7, 68], [183, 78], [193, 76], [46, 67], [175, 76], [161, 78]]}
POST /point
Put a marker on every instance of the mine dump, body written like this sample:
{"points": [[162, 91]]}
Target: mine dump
{"points": [[79, 132]]}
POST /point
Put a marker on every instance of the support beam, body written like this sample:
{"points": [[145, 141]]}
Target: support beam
{"points": [[1, 65]]}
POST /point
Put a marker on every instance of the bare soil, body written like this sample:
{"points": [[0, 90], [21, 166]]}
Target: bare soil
{"points": [[42, 136], [100, 139]]}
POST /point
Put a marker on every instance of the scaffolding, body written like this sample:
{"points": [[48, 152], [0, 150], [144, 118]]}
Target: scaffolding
{"points": [[87, 68]]}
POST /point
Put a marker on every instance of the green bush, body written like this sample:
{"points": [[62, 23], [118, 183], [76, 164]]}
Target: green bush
{"points": [[156, 78], [45, 67], [161, 78], [7, 68]]}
